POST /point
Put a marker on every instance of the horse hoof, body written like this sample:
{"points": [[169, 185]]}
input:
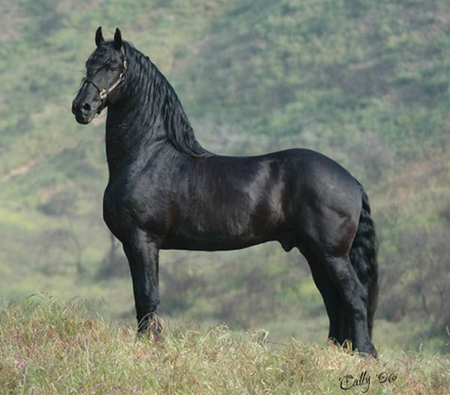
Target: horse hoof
{"points": [[155, 326], [152, 327]]}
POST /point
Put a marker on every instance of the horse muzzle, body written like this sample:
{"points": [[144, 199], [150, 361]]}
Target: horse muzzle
{"points": [[84, 111]]}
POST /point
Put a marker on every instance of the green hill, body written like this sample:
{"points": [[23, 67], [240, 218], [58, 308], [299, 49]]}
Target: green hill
{"points": [[361, 81]]}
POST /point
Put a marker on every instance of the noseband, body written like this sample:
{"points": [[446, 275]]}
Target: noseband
{"points": [[103, 92]]}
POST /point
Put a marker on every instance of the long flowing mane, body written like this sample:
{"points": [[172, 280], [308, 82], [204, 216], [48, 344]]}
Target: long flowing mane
{"points": [[147, 87]]}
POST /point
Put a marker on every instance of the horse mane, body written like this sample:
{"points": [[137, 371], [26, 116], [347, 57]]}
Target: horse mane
{"points": [[160, 98]]}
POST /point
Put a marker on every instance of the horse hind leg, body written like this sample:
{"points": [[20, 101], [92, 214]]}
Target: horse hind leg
{"points": [[355, 299], [337, 312]]}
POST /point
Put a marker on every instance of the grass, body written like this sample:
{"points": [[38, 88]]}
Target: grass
{"points": [[52, 348]]}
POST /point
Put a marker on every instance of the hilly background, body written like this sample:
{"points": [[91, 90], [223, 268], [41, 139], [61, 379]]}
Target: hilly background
{"points": [[365, 82]]}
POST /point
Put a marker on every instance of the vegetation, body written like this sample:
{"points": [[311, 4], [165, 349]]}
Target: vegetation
{"points": [[364, 82], [49, 348]]}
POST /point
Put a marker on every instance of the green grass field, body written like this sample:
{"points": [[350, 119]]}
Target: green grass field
{"points": [[51, 348]]}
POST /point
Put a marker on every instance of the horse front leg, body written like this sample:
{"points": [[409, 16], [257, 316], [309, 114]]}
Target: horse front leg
{"points": [[143, 258]]}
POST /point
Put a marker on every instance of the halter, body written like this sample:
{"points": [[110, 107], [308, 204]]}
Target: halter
{"points": [[103, 93]]}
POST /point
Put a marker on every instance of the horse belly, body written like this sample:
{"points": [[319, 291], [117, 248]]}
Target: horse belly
{"points": [[229, 231], [207, 244]]}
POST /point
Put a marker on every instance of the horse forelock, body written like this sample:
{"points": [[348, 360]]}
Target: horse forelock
{"points": [[100, 56]]}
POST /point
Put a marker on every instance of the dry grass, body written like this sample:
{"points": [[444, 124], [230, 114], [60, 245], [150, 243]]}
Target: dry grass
{"points": [[48, 348]]}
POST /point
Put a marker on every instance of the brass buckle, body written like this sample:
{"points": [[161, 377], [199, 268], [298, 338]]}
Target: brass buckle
{"points": [[103, 94]]}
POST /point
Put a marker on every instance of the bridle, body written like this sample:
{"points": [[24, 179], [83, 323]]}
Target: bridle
{"points": [[103, 92]]}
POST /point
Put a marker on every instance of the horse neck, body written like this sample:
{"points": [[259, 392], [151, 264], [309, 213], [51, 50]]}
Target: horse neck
{"points": [[147, 118], [128, 139]]}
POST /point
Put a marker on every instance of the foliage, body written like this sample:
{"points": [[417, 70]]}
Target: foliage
{"points": [[346, 66], [61, 349]]}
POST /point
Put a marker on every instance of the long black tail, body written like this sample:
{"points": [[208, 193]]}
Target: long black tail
{"points": [[363, 256]]}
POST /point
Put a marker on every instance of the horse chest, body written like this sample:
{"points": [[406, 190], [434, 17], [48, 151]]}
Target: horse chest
{"points": [[130, 202]]}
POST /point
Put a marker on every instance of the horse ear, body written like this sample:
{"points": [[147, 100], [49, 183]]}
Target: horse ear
{"points": [[99, 40], [118, 39]]}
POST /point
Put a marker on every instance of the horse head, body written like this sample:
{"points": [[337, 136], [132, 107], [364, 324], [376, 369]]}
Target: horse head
{"points": [[105, 70]]}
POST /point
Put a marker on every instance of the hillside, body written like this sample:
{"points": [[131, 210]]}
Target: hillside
{"points": [[363, 82]]}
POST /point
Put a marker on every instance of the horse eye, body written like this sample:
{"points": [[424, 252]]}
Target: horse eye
{"points": [[112, 66]]}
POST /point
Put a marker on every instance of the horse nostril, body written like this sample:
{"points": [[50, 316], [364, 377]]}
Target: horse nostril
{"points": [[86, 107]]}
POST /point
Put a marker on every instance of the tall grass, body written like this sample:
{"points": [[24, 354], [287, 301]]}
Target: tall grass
{"points": [[51, 348]]}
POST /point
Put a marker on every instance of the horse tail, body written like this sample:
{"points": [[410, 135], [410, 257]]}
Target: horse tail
{"points": [[363, 257]]}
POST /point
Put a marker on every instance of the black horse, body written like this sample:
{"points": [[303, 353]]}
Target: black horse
{"points": [[167, 192]]}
